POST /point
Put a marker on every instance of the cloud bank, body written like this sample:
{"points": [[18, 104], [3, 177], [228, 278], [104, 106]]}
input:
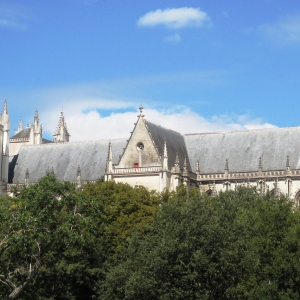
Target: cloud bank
{"points": [[175, 18], [92, 124]]}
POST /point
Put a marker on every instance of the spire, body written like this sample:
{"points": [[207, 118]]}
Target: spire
{"points": [[165, 158], [109, 161], [176, 168], [185, 168], [5, 121], [36, 116], [78, 177], [5, 111], [141, 109], [20, 127], [61, 133]]}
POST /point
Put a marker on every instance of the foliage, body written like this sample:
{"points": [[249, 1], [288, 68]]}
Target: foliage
{"points": [[34, 222], [92, 229], [112, 241], [238, 245]]}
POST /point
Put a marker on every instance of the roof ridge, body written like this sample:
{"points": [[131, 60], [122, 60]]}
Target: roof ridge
{"points": [[77, 142], [246, 130]]}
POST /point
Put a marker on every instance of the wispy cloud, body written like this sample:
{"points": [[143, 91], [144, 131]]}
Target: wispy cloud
{"points": [[176, 18], [14, 16], [175, 38], [285, 31]]}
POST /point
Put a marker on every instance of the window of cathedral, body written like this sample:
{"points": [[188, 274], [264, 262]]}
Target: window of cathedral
{"points": [[209, 192], [297, 200], [272, 193], [140, 146], [136, 165]]}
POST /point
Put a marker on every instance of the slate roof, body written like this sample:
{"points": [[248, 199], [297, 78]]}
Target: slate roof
{"points": [[175, 144], [22, 134], [243, 150], [64, 158]]}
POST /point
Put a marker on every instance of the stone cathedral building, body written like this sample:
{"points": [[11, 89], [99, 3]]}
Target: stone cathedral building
{"points": [[156, 157]]}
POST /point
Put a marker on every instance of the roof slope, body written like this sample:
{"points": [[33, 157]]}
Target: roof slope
{"points": [[175, 143], [22, 134], [64, 158], [244, 148]]}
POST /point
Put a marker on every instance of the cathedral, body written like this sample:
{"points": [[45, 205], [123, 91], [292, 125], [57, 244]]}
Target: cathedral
{"points": [[155, 157]]}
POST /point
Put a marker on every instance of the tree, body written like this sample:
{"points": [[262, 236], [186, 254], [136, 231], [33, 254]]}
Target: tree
{"points": [[96, 227], [237, 245], [35, 221]]}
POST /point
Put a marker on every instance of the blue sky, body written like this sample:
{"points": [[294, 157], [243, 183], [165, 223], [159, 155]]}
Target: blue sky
{"points": [[194, 65]]}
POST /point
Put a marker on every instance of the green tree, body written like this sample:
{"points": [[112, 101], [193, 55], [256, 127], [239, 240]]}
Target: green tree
{"points": [[104, 215], [237, 245], [29, 229]]}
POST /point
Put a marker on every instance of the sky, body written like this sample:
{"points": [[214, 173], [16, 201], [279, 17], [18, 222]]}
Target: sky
{"points": [[195, 66]]}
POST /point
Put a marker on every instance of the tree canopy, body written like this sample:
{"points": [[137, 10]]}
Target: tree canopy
{"points": [[113, 241], [237, 245]]}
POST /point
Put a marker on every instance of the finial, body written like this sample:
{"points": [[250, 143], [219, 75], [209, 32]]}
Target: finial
{"points": [[141, 109], [20, 127], [185, 168], [5, 107], [165, 148], [185, 162], [177, 159]]}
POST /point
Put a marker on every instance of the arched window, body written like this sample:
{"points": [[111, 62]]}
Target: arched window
{"points": [[297, 200], [209, 192]]}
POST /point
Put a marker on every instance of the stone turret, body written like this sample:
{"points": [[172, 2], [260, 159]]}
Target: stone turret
{"points": [[35, 136], [78, 177], [5, 122], [20, 127], [109, 163], [165, 157], [27, 177], [61, 133]]}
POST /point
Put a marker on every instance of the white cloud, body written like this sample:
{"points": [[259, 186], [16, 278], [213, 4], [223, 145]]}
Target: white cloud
{"points": [[175, 38], [88, 124], [285, 31], [176, 18]]}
